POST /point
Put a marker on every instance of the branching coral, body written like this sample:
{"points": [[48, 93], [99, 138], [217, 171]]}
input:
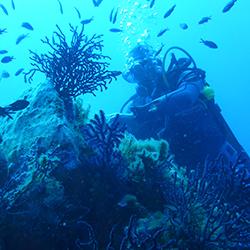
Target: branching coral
{"points": [[76, 68], [104, 138], [199, 213], [134, 238], [201, 216]]}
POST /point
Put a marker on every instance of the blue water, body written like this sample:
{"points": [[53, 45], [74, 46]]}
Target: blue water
{"points": [[227, 67]]}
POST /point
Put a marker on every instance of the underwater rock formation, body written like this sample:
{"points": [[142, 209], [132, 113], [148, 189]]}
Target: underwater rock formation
{"points": [[3, 168], [68, 184], [43, 126]]}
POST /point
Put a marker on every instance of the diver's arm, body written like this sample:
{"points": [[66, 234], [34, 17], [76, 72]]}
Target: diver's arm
{"points": [[185, 96]]}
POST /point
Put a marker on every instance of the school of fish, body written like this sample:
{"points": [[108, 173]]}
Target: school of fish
{"points": [[113, 17]]}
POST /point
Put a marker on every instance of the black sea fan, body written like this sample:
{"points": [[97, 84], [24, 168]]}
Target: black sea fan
{"points": [[104, 137], [74, 68]]}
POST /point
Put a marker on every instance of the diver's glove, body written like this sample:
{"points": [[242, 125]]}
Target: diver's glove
{"points": [[157, 105], [140, 112], [145, 111]]}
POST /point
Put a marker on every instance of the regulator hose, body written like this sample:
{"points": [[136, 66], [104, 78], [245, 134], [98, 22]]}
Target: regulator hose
{"points": [[164, 72]]}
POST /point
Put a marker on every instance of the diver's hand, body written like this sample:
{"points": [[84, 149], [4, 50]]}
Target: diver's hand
{"points": [[112, 116], [122, 116], [157, 104], [151, 108], [140, 111]]}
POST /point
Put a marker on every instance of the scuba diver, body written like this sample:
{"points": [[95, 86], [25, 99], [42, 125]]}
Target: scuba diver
{"points": [[178, 105]]}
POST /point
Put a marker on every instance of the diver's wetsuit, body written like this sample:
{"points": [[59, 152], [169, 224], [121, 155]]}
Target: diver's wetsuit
{"points": [[191, 124]]}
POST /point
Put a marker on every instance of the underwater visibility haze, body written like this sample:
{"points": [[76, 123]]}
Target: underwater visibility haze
{"points": [[124, 124]]}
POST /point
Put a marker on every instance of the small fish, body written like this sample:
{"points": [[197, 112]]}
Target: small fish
{"points": [[115, 17], [209, 44], [152, 3], [13, 5], [162, 32], [159, 50], [7, 59], [4, 9], [3, 31], [78, 13], [19, 71], [204, 19], [20, 38], [4, 112], [18, 105], [111, 15], [184, 26], [229, 6], [115, 30], [97, 2], [116, 73], [27, 26], [3, 51], [61, 8], [170, 11], [87, 21], [5, 74]]}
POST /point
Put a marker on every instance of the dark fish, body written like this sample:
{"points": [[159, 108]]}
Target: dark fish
{"points": [[204, 19], [115, 16], [27, 26], [3, 51], [87, 21], [229, 6], [111, 15], [3, 31], [19, 71], [7, 59], [20, 38], [61, 8], [78, 13], [115, 30], [97, 2], [4, 9], [170, 11], [159, 50], [18, 105], [209, 44], [162, 32], [5, 74], [152, 3], [4, 112], [13, 4], [184, 26], [116, 73]]}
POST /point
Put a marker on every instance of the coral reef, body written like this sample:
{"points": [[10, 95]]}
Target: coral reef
{"points": [[87, 184], [142, 155], [104, 137], [76, 68], [44, 127]]}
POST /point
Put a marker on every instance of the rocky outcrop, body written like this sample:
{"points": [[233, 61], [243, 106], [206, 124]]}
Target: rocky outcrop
{"points": [[44, 126]]}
